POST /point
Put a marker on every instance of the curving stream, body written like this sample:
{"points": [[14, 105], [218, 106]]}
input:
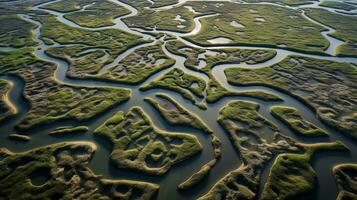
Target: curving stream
{"points": [[230, 158]]}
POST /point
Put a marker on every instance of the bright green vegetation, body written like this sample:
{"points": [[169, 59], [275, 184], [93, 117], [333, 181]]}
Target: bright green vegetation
{"points": [[345, 26], [178, 19], [139, 145], [5, 110], [51, 100], [257, 25], [19, 137], [338, 5], [257, 140], [181, 82], [99, 13], [139, 65], [292, 118], [177, 115], [328, 87], [15, 31], [69, 130], [114, 40], [287, 2], [292, 175], [60, 171], [345, 175]]}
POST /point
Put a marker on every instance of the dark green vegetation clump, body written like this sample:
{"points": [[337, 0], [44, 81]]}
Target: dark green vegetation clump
{"points": [[5, 110], [60, 171], [345, 26], [346, 178], [51, 100], [92, 13], [15, 31], [139, 145], [292, 118], [330, 88]]}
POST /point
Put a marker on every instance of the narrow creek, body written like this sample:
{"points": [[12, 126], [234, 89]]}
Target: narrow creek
{"points": [[322, 163]]}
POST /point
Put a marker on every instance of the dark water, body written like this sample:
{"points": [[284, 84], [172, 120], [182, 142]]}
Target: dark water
{"points": [[322, 162]]}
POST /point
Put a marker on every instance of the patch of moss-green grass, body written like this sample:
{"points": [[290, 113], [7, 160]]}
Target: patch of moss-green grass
{"points": [[139, 65], [257, 25], [292, 175], [292, 118], [60, 171], [181, 82], [5, 110], [338, 5], [178, 19], [346, 175], [328, 87], [139, 145], [50, 100], [97, 14], [257, 140], [16, 32], [345, 26], [175, 114]]}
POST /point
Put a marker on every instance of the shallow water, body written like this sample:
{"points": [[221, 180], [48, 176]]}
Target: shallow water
{"points": [[323, 162]]}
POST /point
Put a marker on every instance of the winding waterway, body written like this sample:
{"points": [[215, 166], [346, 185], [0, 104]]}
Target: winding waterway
{"points": [[323, 162]]}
